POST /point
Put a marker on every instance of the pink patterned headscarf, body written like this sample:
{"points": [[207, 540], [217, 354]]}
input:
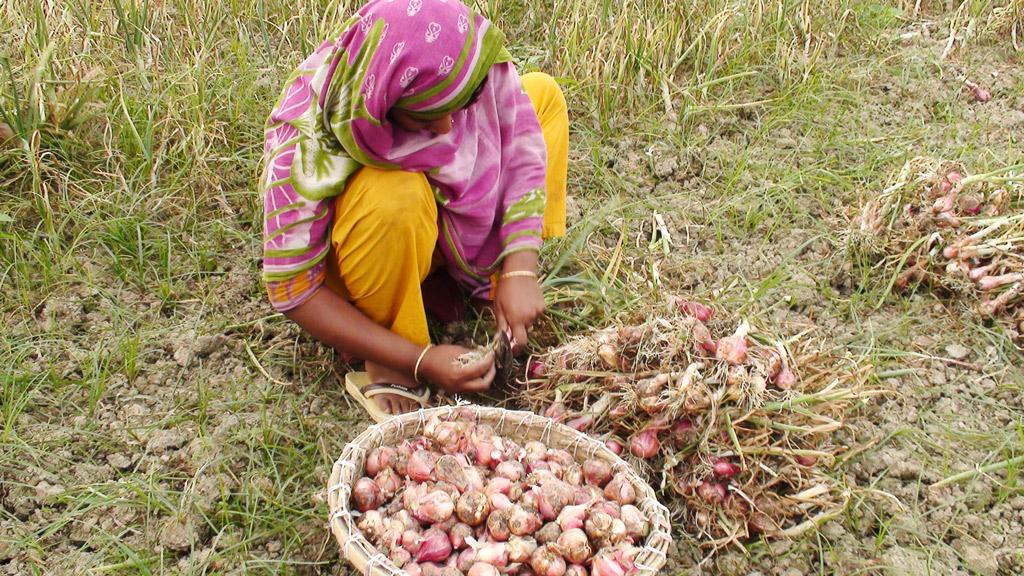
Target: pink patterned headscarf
{"points": [[426, 57]]}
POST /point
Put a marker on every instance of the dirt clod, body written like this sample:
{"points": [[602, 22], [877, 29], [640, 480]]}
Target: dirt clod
{"points": [[978, 557], [120, 460], [163, 441], [180, 534], [46, 491], [957, 351]]}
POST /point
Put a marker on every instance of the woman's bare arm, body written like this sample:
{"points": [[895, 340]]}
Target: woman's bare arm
{"points": [[337, 323]]}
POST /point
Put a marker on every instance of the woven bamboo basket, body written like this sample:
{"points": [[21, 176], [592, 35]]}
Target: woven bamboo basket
{"points": [[519, 426]]}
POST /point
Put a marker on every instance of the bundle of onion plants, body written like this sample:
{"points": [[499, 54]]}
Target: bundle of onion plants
{"points": [[732, 425], [962, 235]]}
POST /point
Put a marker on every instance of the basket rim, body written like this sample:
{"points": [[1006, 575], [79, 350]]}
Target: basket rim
{"points": [[350, 465]]}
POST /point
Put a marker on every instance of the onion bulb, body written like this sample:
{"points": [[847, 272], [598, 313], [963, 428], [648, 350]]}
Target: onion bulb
{"points": [[536, 370], [482, 569], [421, 465], [546, 561], [473, 508], [411, 540], [645, 444], [433, 507], [609, 357], [511, 469], [553, 496], [572, 517], [435, 546], [366, 494], [494, 553], [724, 468], [380, 458], [520, 549], [712, 492], [573, 475], [620, 489], [371, 523], [388, 482], [576, 570], [548, 533], [733, 349], [449, 469], [581, 423], [682, 432], [695, 309], [574, 546], [636, 523], [522, 522], [785, 379], [497, 525], [597, 472], [458, 535], [611, 563], [556, 411]]}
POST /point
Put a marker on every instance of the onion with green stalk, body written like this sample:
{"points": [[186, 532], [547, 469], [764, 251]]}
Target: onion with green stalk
{"points": [[715, 409], [959, 235]]}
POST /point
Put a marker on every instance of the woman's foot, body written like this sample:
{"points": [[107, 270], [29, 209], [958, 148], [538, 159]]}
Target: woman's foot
{"points": [[391, 403]]}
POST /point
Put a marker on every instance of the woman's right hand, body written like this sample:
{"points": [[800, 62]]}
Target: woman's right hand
{"points": [[441, 366]]}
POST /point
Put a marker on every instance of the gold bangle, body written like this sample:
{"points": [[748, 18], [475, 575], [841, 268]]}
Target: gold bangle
{"points": [[416, 370], [519, 274]]}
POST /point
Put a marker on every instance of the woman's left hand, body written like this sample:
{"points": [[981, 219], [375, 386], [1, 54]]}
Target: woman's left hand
{"points": [[518, 304]]}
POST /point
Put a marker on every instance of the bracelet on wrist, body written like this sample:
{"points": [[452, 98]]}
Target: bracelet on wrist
{"points": [[416, 369], [519, 274]]}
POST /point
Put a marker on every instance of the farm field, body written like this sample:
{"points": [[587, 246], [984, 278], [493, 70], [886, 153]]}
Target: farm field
{"points": [[156, 416]]}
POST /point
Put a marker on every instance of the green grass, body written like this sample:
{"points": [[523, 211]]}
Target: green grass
{"points": [[129, 228]]}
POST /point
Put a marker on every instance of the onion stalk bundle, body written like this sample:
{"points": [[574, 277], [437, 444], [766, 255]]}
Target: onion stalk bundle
{"points": [[961, 235], [732, 425]]}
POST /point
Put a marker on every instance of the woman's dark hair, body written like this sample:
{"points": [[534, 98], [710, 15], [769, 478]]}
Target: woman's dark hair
{"points": [[476, 93]]}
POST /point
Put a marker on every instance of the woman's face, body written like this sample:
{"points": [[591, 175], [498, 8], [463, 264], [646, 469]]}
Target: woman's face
{"points": [[438, 126]]}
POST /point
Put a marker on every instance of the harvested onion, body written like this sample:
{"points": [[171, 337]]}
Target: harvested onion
{"points": [[478, 504], [366, 494], [546, 561], [733, 349], [473, 508], [597, 472], [620, 489], [574, 546], [645, 444]]}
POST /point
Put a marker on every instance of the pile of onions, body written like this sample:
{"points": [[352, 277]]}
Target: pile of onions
{"points": [[461, 500], [699, 399], [960, 234]]}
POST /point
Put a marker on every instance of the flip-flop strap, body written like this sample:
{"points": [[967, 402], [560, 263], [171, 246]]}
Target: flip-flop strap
{"points": [[394, 389]]}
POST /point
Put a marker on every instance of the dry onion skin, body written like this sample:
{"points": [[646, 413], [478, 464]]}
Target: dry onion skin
{"points": [[732, 424], [462, 500]]}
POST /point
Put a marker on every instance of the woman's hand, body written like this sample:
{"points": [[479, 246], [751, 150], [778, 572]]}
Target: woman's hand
{"points": [[441, 366], [519, 300]]}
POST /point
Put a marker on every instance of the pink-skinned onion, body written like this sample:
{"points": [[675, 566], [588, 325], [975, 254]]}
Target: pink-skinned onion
{"points": [[733, 349], [725, 468], [366, 494], [645, 444], [435, 546]]}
